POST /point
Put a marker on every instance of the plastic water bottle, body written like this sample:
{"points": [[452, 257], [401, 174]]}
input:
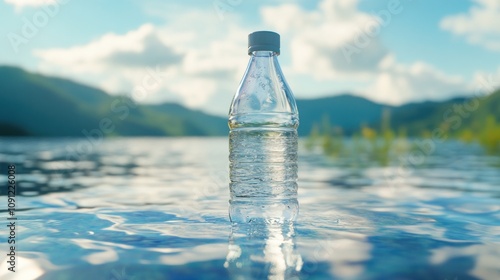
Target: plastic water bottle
{"points": [[263, 121]]}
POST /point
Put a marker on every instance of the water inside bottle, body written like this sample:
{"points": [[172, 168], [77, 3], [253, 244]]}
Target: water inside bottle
{"points": [[263, 174]]}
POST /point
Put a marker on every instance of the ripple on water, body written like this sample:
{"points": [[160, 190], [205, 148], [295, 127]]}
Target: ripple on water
{"points": [[156, 208]]}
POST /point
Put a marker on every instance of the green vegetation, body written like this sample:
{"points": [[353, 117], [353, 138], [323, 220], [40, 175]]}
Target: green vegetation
{"points": [[475, 120], [490, 136], [328, 137], [480, 124], [371, 144]]}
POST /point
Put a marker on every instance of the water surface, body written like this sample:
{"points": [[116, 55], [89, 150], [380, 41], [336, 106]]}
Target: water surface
{"points": [[157, 208]]}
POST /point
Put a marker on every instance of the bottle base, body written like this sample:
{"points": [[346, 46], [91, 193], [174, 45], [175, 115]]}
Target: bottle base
{"points": [[263, 211]]}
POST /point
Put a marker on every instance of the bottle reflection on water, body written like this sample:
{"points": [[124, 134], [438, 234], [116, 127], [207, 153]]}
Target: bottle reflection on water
{"points": [[263, 251]]}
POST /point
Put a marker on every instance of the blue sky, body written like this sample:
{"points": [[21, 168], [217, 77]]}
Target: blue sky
{"points": [[388, 51]]}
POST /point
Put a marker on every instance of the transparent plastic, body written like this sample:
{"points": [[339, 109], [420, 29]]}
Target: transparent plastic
{"points": [[263, 121]]}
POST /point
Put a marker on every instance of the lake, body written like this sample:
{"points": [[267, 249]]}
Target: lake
{"points": [[157, 208]]}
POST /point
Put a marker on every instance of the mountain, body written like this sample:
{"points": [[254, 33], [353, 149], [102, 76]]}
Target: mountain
{"points": [[454, 115], [38, 105], [350, 113], [213, 125], [488, 107], [33, 104], [346, 111]]}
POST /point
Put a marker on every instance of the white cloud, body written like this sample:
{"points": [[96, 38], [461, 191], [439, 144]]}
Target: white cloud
{"points": [[198, 66], [336, 41], [323, 40], [480, 25], [198, 90], [97, 55], [111, 61], [20, 4], [396, 83]]}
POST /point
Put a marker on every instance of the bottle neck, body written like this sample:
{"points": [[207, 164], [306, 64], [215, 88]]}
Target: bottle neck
{"points": [[264, 54], [264, 64]]}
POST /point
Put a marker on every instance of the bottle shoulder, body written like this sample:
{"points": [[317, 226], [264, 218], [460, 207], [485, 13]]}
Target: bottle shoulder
{"points": [[263, 89], [264, 119]]}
